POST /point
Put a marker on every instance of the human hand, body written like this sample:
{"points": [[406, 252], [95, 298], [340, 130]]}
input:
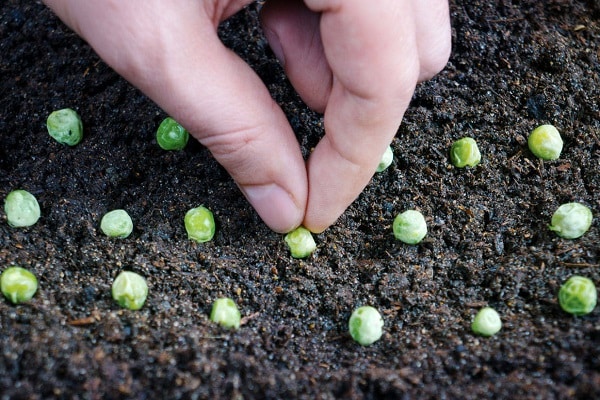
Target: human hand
{"points": [[357, 63]]}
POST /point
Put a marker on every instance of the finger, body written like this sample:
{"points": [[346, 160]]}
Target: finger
{"points": [[293, 33], [173, 55], [373, 54], [434, 36]]}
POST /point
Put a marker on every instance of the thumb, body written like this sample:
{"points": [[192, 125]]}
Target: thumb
{"points": [[173, 54], [246, 132]]}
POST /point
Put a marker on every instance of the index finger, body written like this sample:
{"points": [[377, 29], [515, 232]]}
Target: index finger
{"points": [[373, 55], [174, 55]]}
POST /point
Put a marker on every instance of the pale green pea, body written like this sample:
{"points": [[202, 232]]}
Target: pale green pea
{"points": [[386, 159], [21, 208], [200, 224], [300, 242], [129, 290], [571, 220], [465, 152], [487, 322], [365, 325], [410, 227], [18, 284], [116, 223], [578, 295], [65, 126], [171, 136], [545, 142], [225, 313]]}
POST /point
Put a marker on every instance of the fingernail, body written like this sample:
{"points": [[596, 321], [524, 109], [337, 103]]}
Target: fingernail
{"points": [[275, 45], [275, 206]]}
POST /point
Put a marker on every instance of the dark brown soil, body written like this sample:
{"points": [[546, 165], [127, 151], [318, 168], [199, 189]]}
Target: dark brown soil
{"points": [[515, 65]]}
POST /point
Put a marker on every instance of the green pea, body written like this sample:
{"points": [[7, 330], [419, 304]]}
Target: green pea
{"points": [[116, 223], [18, 284], [386, 159], [65, 126], [129, 290], [365, 325], [21, 208], [571, 220], [226, 313], [171, 136], [200, 224], [300, 242], [464, 152], [578, 295], [545, 142], [410, 227], [487, 322]]}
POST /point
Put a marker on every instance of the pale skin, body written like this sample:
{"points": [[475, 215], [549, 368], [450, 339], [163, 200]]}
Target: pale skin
{"points": [[355, 61]]}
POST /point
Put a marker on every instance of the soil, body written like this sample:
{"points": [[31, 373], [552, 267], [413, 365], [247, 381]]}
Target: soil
{"points": [[515, 65]]}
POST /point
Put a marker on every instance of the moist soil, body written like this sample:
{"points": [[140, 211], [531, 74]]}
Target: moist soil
{"points": [[515, 65]]}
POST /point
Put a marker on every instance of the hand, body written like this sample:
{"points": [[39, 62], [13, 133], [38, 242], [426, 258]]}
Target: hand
{"points": [[357, 63]]}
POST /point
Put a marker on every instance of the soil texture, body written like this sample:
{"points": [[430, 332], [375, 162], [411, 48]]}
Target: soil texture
{"points": [[515, 65]]}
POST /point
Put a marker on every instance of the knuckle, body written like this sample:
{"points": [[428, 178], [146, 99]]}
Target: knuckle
{"points": [[233, 148]]}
